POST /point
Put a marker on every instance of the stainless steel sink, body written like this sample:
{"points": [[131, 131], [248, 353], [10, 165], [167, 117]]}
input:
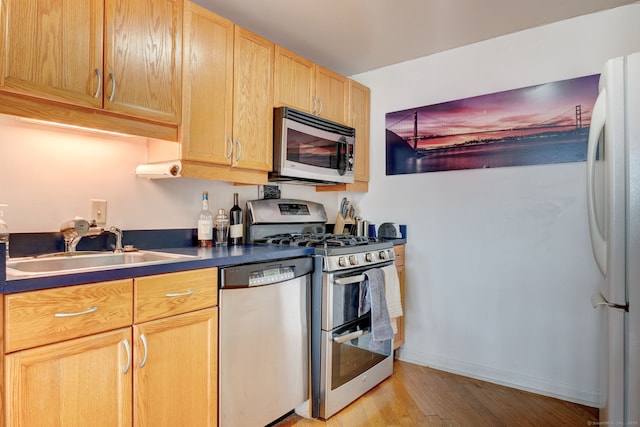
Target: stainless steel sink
{"points": [[80, 262]]}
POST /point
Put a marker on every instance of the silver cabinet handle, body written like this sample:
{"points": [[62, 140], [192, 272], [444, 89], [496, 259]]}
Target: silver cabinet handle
{"points": [[348, 337], [143, 338], [79, 313], [99, 88], [180, 294], [228, 156], [315, 104], [239, 153], [320, 110], [113, 87], [128, 349], [350, 280]]}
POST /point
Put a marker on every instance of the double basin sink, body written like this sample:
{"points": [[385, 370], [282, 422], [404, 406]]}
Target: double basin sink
{"points": [[78, 262]]}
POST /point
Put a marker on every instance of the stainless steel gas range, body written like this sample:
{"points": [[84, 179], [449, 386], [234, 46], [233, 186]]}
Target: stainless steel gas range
{"points": [[346, 361]]}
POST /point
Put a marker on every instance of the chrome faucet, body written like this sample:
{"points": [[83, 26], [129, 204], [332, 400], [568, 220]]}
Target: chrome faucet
{"points": [[74, 230], [118, 234]]}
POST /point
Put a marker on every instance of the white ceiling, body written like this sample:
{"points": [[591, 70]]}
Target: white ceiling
{"points": [[353, 36]]}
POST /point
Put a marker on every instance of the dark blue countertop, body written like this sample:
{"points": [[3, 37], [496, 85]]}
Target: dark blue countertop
{"points": [[207, 257]]}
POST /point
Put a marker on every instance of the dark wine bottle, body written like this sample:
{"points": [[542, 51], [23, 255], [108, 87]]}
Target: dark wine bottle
{"points": [[235, 222]]}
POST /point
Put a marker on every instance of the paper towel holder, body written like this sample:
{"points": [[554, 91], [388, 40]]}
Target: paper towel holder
{"points": [[159, 170]]}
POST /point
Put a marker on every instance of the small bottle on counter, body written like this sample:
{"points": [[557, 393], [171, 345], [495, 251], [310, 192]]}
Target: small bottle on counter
{"points": [[222, 228], [205, 223], [235, 222]]}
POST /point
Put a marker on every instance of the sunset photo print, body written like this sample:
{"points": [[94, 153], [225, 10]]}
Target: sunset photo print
{"points": [[547, 123]]}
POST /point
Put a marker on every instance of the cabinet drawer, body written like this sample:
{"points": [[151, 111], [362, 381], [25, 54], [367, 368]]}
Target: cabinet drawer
{"points": [[399, 250], [51, 315], [174, 293]]}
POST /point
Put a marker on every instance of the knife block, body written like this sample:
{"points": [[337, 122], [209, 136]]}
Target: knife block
{"points": [[344, 225]]}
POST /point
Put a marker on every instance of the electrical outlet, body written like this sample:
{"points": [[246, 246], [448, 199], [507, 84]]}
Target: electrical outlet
{"points": [[99, 211]]}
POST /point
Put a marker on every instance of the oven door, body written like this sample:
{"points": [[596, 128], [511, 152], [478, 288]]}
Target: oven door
{"points": [[352, 363], [341, 296]]}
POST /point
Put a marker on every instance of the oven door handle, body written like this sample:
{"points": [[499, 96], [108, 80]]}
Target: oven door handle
{"points": [[348, 337], [350, 280]]}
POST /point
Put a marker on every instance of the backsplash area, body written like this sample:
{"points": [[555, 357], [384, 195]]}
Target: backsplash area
{"points": [[33, 244], [50, 175]]}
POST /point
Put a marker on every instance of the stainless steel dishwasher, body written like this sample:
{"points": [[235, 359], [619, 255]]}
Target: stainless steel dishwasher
{"points": [[264, 345]]}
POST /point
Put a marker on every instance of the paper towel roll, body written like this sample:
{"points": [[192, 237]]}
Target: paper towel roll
{"points": [[160, 170]]}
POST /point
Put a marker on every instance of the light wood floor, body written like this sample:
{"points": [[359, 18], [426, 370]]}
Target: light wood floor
{"points": [[420, 396]]}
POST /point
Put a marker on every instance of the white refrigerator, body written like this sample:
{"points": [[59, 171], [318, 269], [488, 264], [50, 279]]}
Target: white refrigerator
{"points": [[613, 199]]}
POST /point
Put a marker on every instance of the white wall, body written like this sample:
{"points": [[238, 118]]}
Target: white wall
{"points": [[48, 175], [499, 266]]}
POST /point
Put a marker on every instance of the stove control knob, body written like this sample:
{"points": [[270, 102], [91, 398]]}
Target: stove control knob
{"points": [[353, 260], [368, 257], [391, 254], [382, 255], [342, 262]]}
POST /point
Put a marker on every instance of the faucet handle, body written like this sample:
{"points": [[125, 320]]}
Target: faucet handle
{"points": [[118, 233]]}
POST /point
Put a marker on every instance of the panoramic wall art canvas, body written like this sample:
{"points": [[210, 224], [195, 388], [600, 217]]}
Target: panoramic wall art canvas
{"points": [[547, 123]]}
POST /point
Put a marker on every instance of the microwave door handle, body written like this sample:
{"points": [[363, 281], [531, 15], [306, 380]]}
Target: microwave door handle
{"points": [[350, 280]]}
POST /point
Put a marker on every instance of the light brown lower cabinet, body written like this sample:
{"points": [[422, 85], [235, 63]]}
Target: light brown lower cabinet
{"points": [[81, 382], [175, 376], [134, 352]]}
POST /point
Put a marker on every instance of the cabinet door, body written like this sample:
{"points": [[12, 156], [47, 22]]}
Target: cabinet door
{"points": [[253, 101], [53, 49], [77, 383], [207, 92], [294, 80], [359, 101], [332, 91], [143, 45], [175, 377]]}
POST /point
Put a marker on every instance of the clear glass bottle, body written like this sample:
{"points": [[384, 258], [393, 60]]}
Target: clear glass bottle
{"points": [[4, 231], [235, 222], [205, 223], [222, 228]]}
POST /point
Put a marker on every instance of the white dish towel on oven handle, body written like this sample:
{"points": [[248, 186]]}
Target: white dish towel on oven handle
{"points": [[392, 294]]}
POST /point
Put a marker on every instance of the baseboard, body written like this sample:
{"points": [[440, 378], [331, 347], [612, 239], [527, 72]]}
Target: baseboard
{"points": [[545, 387]]}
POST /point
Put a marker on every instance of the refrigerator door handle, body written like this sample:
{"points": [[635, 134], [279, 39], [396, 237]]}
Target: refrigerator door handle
{"points": [[598, 242], [598, 300]]}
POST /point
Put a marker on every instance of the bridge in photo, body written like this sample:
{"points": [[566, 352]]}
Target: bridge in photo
{"points": [[407, 126]]}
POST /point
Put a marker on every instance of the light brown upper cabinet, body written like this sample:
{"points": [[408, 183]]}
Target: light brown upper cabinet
{"points": [[359, 116], [359, 101], [227, 125], [305, 86], [118, 55]]}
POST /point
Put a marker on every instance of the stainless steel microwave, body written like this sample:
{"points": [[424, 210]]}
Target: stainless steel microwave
{"points": [[312, 149]]}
